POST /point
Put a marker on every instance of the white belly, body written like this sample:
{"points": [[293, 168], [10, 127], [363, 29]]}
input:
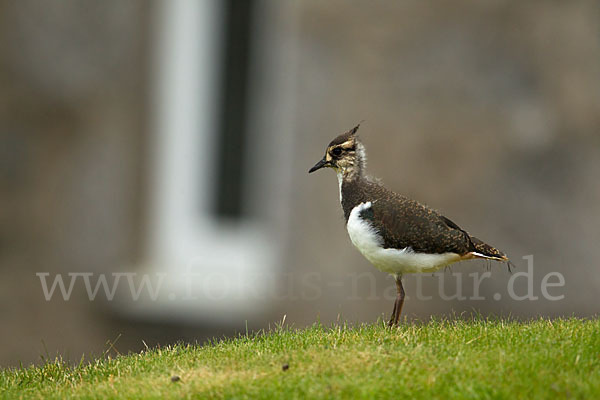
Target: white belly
{"points": [[393, 261]]}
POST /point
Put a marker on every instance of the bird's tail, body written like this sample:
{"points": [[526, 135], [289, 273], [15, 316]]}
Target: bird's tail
{"points": [[485, 251]]}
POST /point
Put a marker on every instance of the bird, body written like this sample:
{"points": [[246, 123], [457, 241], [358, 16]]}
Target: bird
{"points": [[396, 234]]}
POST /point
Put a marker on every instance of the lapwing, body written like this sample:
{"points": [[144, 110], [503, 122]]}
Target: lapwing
{"points": [[396, 234]]}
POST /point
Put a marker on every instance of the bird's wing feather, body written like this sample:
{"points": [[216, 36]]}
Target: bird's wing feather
{"points": [[403, 222]]}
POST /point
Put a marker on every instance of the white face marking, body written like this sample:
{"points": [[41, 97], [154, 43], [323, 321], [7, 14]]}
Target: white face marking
{"points": [[340, 177], [366, 239]]}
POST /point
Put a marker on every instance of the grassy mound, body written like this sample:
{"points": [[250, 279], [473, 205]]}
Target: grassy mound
{"points": [[442, 359]]}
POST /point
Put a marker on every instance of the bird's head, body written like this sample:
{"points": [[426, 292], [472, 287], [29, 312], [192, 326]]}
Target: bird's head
{"points": [[345, 154]]}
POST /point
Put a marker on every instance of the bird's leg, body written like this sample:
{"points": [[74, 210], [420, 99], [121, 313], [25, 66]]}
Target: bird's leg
{"points": [[400, 299], [391, 323], [398, 303]]}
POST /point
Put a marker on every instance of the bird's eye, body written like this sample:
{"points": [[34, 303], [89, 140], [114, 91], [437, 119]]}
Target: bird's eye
{"points": [[337, 151]]}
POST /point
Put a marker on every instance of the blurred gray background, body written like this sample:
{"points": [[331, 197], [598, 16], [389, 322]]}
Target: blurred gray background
{"points": [[488, 111]]}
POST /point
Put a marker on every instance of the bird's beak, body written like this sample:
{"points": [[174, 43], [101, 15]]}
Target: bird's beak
{"points": [[322, 163]]}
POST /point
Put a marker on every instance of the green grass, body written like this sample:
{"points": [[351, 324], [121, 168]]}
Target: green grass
{"points": [[442, 359]]}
